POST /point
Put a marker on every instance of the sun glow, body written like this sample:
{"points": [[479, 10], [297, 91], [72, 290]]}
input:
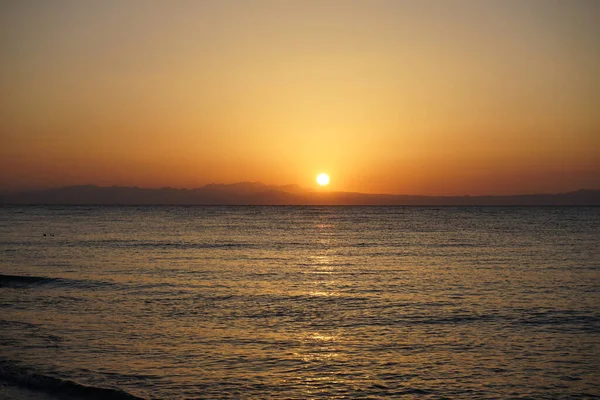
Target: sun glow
{"points": [[323, 179]]}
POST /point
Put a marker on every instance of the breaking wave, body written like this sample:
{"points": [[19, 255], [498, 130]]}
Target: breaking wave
{"points": [[27, 379]]}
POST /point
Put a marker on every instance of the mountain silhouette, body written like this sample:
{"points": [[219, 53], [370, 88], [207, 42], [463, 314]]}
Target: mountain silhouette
{"points": [[256, 193]]}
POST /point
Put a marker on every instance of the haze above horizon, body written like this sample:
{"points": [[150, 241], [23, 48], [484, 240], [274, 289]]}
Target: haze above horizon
{"points": [[425, 97]]}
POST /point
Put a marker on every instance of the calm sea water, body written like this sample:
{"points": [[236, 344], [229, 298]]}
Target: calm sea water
{"points": [[301, 302]]}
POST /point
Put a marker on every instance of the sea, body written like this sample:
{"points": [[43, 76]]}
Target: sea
{"points": [[299, 302]]}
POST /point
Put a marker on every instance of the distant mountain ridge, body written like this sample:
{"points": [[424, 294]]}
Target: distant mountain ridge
{"points": [[256, 193]]}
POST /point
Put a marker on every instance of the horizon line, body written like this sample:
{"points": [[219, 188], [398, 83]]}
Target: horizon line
{"points": [[304, 190]]}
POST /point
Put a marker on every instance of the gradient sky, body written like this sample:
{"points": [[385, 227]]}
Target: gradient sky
{"points": [[415, 97]]}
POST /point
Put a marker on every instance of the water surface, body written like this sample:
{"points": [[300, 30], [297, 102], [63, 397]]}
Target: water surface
{"points": [[301, 302]]}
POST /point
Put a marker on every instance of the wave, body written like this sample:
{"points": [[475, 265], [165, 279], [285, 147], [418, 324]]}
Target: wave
{"points": [[562, 319], [158, 245], [26, 281], [27, 379]]}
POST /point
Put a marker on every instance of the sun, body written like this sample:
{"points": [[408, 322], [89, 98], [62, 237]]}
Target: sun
{"points": [[323, 179]]}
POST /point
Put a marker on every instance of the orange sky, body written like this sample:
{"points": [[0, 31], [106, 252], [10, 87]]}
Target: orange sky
{"points": [[422, 97]]}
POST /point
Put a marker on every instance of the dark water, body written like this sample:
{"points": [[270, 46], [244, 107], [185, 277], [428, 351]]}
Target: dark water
{"points": [[301, 302]]}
